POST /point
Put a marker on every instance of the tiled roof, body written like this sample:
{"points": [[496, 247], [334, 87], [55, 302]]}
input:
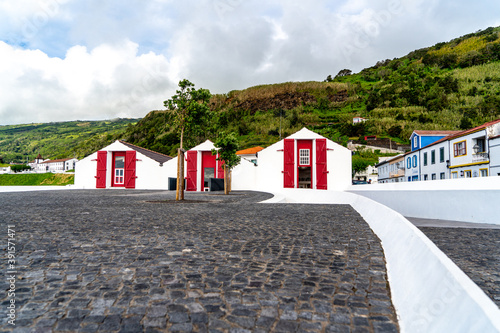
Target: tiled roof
{"points": [[249, 151], [458, 134], [158, 157], [56, 161], [425, 132]]}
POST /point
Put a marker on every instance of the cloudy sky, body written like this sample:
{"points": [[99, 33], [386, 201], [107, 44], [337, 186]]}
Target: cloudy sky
{"points": [[101, 59]]}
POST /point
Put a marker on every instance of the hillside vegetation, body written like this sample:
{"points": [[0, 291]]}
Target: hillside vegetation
{"points": [[36, 179], [21, 143], [448, 86]]}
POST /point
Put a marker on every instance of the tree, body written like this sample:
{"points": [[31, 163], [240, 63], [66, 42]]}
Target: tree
{"points": [[190, 110], [227, 145]]}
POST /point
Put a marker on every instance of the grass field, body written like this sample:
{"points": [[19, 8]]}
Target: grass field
{"points": [[34, 179]]}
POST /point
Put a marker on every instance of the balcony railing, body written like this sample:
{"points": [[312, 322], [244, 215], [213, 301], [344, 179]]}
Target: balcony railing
{"points": [[480, 157], [398, 173]]}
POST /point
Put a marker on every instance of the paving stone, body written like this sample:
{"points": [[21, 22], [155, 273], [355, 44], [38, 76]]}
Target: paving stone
{"points": [[135, 261]]}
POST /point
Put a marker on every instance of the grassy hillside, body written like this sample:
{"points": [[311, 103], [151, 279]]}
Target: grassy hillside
{"points": [[37, 179], [19, 143], [448, 86]]}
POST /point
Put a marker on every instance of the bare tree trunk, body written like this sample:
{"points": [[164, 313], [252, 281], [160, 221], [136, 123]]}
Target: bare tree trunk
{"points": [[182, 174], [226, 180], [179, 193], [178, 187]]}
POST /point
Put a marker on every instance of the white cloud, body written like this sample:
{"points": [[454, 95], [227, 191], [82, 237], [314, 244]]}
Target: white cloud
{"points": [[101, 83], [71, 59]]}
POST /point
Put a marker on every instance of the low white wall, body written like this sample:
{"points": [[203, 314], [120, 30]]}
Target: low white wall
{"points": [[467, 200], [430, 293]]}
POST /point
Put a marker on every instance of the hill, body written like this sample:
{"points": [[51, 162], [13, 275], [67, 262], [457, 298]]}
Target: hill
{"points": [[448, 86], [19, 143]]}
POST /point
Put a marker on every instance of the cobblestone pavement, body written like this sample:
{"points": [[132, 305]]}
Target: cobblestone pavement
{"points": [[475, 251], [134, 261]]}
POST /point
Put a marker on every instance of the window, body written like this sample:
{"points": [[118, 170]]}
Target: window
{"points": [[454, 174], [484, 172], [433, 157], [414, 158], [442, 175], [459, 149], [304, 157], [468, 174], [441, 155], [415, 141], [408, 163], [433, 176], [425, 158], [481, 144], [426, 177]]}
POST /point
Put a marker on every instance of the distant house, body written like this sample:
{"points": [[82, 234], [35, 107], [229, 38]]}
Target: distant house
{"points": [[123, 165], [250, 154], [57, 166], [5, 170], [357, 120], [420, 139], [391, 169]]}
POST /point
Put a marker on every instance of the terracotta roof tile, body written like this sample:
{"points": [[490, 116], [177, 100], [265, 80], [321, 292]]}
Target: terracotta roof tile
{"points": [[249, 151]]}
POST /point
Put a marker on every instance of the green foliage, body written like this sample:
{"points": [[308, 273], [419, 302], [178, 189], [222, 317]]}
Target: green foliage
{"points": [[20, 167], [22, 143], [36, 179], [227, 144], [190, 111]]}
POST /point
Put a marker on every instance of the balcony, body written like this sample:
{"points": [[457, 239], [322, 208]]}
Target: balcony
{"points": [[480, 157], [398, 173]]}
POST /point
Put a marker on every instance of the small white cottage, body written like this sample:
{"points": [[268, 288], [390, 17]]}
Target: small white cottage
{"points": [[123, 165], [303, 160]]}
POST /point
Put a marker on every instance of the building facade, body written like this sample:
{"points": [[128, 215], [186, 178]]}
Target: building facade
{"points": [[123, 165]]}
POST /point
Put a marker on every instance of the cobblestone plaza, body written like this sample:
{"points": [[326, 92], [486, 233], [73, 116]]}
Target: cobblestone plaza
{"points": [[120, 261]]}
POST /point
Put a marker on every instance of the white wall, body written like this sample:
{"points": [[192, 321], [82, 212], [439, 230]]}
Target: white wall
{"points": [[468, 200], [495, 157], [150, 175], [430, 293]]}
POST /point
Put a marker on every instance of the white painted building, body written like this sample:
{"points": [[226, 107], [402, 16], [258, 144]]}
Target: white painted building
{"points": [[435, 161], [391, 169], [303, 160], [57, 166], [469, 151], [250, 154], [4, 170], [123, 165], [494, 151]]}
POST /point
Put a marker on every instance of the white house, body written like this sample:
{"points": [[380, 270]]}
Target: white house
{"points": [[391, 169], [494, 147], [302, 160], [250, 154], [123, 165], [5, 170], [201, 166], [469, 151], [57, 166], [435, 160]]}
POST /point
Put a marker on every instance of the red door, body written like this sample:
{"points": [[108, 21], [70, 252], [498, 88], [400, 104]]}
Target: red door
{"points": [[321, 168], [118, 170], [101, 169], [304, 163], [130, 169], [208, 166], [191, 170], [289, 163]]}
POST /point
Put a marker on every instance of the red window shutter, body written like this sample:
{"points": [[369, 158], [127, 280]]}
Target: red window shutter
{"points": [[289, 165], [130, 169], [191, 170], [220, 168], [321, 169], [102, 157]]}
